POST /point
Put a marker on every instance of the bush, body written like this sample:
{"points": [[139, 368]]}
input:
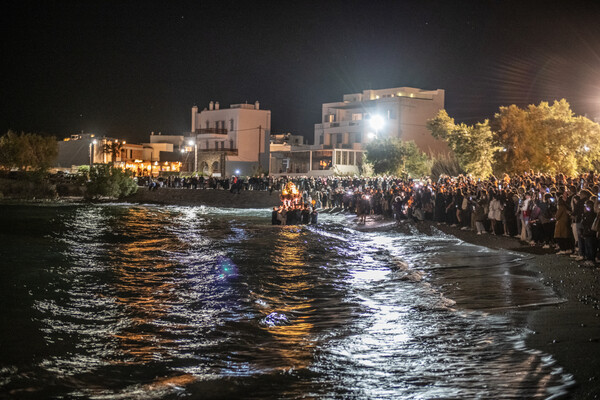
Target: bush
{"points": [[108, 181]]}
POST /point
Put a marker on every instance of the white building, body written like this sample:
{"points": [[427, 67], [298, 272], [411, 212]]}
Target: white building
{"points": [[348, 126], [231, 139], [403, 113]]}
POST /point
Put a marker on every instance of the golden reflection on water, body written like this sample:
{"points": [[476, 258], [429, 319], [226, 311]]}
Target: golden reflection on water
{"points": [[288, 256], [144, 287]]}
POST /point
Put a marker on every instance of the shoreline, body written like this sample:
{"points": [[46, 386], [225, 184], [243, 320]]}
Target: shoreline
{"points": [[570, 330]]}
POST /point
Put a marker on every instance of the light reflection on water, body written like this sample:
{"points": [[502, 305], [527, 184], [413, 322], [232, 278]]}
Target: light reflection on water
{"points": [[159, 302]]}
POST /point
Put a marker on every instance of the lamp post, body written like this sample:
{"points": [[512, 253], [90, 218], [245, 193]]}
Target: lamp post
{"points": [[92, 143], [193, 143]]}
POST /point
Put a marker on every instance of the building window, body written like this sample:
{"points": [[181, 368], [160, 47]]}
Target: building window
{"points": [[357, 117], [345, 158], [207, 125], [351, 158], [338, 138], [321, 139], [338, 157], [231, 124], [216, 145], [329, 118]]}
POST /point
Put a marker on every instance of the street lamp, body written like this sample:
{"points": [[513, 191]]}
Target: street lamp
{"points": [[377, 122], [92, 144], [193, 143]]}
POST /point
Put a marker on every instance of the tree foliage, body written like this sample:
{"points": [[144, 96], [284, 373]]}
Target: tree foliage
{"points": [[396, 157], [546, 138], [108, 181], [27, 151], [472, 145], [113, 149]]}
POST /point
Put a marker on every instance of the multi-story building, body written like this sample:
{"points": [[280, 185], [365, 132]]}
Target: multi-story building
{"points": [[396, 112], [152, 158], [84, 149], [349, 125], [230, 141]]}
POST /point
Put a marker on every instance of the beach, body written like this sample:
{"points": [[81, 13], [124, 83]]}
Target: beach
{"points": [[570, 331]]}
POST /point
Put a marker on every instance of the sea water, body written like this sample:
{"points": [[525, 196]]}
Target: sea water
{"points": [[154, 302]]}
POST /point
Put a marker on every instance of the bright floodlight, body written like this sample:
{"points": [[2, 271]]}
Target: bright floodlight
{"points": [[377, 122], [372, 135], [191, 143], [183, 150], [237, 171], [94, 141]]}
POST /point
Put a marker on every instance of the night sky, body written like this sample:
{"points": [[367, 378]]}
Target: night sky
{"points": [[126, 68]]}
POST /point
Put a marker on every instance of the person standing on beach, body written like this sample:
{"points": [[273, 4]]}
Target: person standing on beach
{"points": [[588, 234], [561, 230]]}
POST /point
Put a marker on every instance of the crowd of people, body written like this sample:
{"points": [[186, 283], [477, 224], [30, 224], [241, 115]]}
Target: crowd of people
{"points": [[553, 211]]}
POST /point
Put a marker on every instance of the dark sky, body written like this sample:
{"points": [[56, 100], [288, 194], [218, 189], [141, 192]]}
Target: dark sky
{"points": [[126, 68]]}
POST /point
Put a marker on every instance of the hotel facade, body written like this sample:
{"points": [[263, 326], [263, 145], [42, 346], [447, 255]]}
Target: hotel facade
{"points": [[348, 126]]}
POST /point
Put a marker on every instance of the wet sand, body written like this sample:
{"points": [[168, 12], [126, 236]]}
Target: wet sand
{"points": [[570, 331]]}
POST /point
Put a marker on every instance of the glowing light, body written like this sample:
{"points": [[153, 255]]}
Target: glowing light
{"points": [[377, 122], [237, 171], [586, 148], [190, 143], [227, 267], [94, 141], [372, 135]]}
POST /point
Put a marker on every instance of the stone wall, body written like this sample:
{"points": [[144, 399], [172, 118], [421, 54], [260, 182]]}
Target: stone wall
{"points": [[207, 197]]}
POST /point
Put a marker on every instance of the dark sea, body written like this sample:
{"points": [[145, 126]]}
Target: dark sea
{"points": [[120, 301]]}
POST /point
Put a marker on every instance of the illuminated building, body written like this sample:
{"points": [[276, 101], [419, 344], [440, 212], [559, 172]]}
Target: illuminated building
{"points": [[232, 139], [144, 159], [403, 113]]}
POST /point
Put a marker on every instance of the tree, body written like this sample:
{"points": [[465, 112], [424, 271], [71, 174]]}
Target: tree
{"points": [[113, 148], [547, 138], [27, 151], [396, 157], [108, 181], [473, 146]]}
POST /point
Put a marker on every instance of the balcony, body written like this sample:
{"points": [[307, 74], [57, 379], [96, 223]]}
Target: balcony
{"points": [[342, 124], [229, 152], [212, 131]]}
